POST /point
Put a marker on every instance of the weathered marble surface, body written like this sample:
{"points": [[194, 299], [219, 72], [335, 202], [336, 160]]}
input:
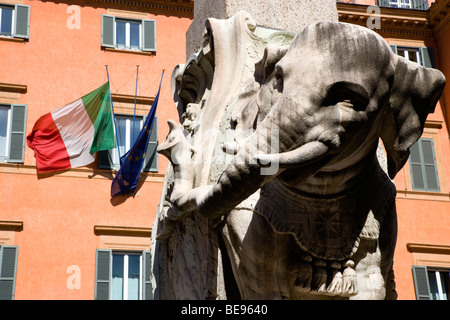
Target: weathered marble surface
{"points": [[275, 189], [273, 14]]}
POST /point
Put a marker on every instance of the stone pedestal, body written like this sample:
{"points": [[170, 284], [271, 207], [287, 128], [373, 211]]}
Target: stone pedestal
{"points": [[272, 14], [273, 190], [187, 250]]}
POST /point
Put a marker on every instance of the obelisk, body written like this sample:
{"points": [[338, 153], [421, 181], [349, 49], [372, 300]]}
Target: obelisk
{"points": [[290, 15], [186, 260]]}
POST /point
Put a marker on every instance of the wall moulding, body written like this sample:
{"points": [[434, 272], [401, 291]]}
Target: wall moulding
{"points": [[10, 87], [428, 248], [184, 7], [123, 237], [440, 15], [404, 22], [83, 173], [8, 228], [122, 231], [136, 52], [128, 98], [11, 225], [430, 255], [433, 124], [423, 195], [125, 104]]}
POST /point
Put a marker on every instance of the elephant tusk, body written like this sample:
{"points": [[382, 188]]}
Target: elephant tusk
{"points": [[306, 154], [231, 148]]}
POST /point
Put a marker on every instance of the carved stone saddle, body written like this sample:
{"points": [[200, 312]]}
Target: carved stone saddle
{"points": [[328, 228]]}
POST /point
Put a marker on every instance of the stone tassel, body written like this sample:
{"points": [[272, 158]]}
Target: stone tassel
{"points": [[304, 277], [349, 276], [335, 287], [320, 276]]}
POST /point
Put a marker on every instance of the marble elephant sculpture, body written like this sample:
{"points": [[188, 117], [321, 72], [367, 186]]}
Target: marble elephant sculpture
{"points": [[323, 224]]}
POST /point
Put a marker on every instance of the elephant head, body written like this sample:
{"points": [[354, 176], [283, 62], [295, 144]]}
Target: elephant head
{"points": [[340, 88], [329, 96]]}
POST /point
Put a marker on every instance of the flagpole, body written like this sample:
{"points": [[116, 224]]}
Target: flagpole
{"points": [[114, 115], [135, 99], [127, 177]]}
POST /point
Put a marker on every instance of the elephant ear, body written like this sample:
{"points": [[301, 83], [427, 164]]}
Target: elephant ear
{"points": [[249, 106], [415, 92], [264, 68]]}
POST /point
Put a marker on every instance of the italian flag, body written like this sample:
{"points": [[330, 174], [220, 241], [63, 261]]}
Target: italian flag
{"points": [[69, 136]]}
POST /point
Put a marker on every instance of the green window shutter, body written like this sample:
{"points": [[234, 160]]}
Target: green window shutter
{"points": [[8, 270], [22, 21], [421, 283], [17, 134], [394, 48], [105, 159], [103, 274], [108, 31], [415, 159], [427, 56], [151, 156], [429, 165], [147, 290], [420, 4], [149, 35], [423, 167]]}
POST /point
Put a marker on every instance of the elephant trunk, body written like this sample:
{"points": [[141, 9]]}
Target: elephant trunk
{"points": [[249, 170], [302, 156]]}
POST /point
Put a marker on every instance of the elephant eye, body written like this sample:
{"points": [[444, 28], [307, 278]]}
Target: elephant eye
{"points": [[347, 92]]}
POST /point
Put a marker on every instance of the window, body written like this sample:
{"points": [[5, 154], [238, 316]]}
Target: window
{"points": [[411, 54], [439, 281], [5, 112], [14, 21], [423, 55], [431, 283], [127, 132], [423, 167], [128, 34], [6, 20], [405, 4], [128, 128], [8, 267], [400, 3], [126, 276], [122, 275], [12, 132]]}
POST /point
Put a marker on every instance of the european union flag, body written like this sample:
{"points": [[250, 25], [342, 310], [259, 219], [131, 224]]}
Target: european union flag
{"points": [[131, 162]]}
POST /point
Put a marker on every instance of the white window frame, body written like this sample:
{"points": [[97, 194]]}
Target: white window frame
{"points": [[434, 276], [439, 285], [400, 4], [409, 52], [128, 130], [13, 25], [126, 255], [5, 157], [128, 34]]}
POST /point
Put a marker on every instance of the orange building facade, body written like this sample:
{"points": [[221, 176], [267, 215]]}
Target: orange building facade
{"points": [[62, 236], [52, 226], [420, 31]]}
